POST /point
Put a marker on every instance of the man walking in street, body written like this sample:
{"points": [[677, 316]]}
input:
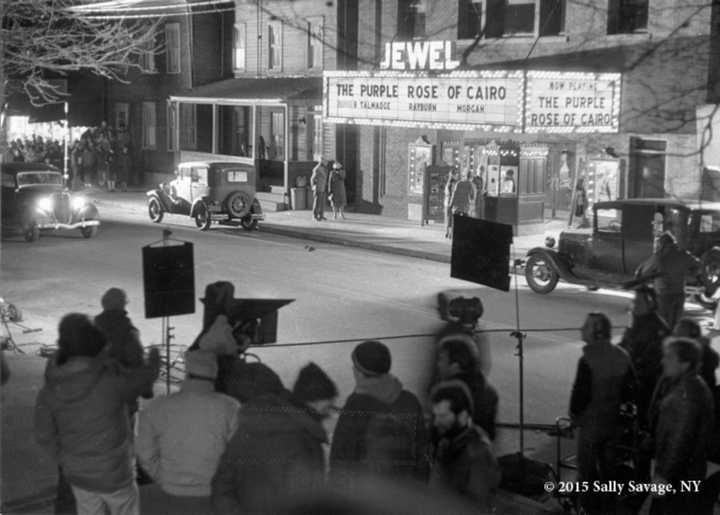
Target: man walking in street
{"points": [[463, 462], [276, 453], [604, 380], [669, 265], [318, 183], [381, 428], [81, 418], [683, 422]]}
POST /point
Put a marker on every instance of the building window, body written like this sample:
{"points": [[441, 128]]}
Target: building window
{"points": [[317, 140], [172, 47], [276, 145], [524, 18], [171, 126], [188, 124], [627, 16], [411, 19], [149, 125], [121, 112], [147, 57], [275, 46], [239, 44], [315, 43], [469, 19]]}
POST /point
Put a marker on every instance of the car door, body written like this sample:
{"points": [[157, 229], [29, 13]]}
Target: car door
{"points": [[198, 182], [607, 242], [182, 183], [638, 234]]}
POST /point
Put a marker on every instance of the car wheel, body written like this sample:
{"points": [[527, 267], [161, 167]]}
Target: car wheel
{"points": [[202, 218], [32, 233], [238, 204], [540, 275], [89, 232], [711, 268], [248, 223], [155, 210]]}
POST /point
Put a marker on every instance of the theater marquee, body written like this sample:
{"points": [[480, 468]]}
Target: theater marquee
{"points": [[457, 100]]}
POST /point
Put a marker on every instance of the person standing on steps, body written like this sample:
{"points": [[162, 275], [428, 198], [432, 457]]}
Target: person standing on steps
{"points": [[336, 190], [318, 183]]}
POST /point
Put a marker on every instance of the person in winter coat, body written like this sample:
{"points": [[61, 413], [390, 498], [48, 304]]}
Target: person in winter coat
{"points": [[670, 264], [604, 380], [709, 359], [683, 427], [462, 200], [336, 188], [123, 167], [381, 428], [81, 418], [643, 343], [122, 336], [318, 183], [449, 190], [463, 462], [456, 360], [276, 453], [182, 436]]}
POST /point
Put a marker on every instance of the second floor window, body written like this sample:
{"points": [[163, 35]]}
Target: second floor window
{"points": [[627, 16], [315, 43], [149, 125], [275, 46], [240, 37], [172, 47], [411, 19], [523, 17], [469, 19], [147, 57]]}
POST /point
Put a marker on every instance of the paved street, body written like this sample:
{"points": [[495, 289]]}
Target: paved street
{"points": [[341, 294]]}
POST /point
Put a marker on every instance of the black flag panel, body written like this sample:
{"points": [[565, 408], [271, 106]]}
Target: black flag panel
{"points": [[481, 252], [169, 280]]}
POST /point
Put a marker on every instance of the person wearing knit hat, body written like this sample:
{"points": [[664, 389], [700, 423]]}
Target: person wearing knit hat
{"points": [[463, 461], [114, 298], [381, 428], [278, 447], [196, 418]]}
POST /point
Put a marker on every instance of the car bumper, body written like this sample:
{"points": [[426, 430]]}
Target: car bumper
{"points": [[76, 225]]}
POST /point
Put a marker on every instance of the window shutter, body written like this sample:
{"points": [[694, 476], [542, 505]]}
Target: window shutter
{"points": [[495, 25], [551, 17]]}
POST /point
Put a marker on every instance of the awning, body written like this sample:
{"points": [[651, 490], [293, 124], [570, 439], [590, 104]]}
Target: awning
{"points": [[271, 91]]}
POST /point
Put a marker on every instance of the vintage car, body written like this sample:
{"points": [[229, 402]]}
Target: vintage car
{"points": [[209, 191], [34, 199], [621, 237]]}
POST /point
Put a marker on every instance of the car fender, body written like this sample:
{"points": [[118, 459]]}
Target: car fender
{"points": [[88, 212], [194, 208], [161, 195], [556, 261], [256, 208]]}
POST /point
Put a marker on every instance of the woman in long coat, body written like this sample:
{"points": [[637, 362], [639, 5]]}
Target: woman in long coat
{"points": [[336, 190]]}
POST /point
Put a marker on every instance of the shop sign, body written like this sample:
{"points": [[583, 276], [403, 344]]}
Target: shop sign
{"points": [[456, 100], [572, 102], [419, 55]]}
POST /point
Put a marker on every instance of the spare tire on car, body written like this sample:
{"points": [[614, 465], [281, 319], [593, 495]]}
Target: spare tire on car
{"points": [[239, 203]]}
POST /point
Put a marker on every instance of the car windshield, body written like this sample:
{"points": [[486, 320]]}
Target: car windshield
{"points": [[710, 222], [30, 178]]}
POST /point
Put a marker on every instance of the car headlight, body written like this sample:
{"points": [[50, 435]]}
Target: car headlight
{"points": [[45, 204], [78, 202]]}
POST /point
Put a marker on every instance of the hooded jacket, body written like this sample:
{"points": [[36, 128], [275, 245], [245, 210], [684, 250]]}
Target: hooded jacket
{"points": [[375, 396], [81, 417], [122, 336], [275, 453]]}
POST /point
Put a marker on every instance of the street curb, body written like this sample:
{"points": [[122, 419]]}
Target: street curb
{"points": [[300, 234]]}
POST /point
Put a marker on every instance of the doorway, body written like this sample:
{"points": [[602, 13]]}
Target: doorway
{"points": [[647, 168]]}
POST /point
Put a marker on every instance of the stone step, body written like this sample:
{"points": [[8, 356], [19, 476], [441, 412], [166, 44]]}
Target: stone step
{"points": [[272, 201], [277, 190]]}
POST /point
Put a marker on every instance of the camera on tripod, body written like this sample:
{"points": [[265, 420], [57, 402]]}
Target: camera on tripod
{"points": [[460, 309]]}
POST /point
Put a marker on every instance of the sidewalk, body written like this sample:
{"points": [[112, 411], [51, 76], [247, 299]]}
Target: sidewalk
{"points": [[370, 232]]}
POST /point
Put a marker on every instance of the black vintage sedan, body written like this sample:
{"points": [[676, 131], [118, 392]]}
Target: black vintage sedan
{"points": [[34, 199]]}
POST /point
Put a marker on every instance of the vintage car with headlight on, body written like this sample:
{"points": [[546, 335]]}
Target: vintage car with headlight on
{"points": [[34, 199], [209, 191], [621, 237]]}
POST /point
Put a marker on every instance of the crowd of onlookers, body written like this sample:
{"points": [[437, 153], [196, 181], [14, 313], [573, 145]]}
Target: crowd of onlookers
{"points": [[100, 157], [234, 439]]}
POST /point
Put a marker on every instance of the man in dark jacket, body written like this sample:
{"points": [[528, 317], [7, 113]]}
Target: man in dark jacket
{"points": [[122, 336], [604, 380], [81, 417], [381, 428], [463, 462], [683, 427], [276, 453], [643, 342], [670, 264], [456, 360]]}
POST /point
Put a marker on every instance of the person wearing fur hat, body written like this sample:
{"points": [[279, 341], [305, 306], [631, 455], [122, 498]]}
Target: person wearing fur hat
{"points": [[122, 336], [182, 436], [463, 462], [381, 428], [277, 452], [336, 190]]}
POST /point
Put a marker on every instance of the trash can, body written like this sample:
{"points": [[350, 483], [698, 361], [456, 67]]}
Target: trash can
{"points": [[309, 198], [297, 198]]}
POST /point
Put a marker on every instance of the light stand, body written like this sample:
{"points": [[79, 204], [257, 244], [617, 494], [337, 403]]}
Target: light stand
{"points": [[519, 352]]}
